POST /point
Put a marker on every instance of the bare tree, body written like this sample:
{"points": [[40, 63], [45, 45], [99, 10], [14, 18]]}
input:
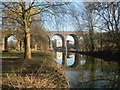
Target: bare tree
{"points": [[110, 19], [39, 35], [23, 13], [89, 18]]}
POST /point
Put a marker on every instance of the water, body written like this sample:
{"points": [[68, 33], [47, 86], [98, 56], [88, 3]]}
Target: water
{"points": [[87, 72]]}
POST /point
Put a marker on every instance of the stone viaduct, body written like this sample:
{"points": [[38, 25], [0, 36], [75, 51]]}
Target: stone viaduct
{"points": [[63, 34]]}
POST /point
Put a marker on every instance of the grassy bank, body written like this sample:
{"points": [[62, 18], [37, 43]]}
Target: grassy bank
{"points": [[39, 72]]}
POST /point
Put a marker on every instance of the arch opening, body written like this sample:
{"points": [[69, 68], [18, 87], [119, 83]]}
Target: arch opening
{"points": [[41, 43], [72, 42], [57, 41], [11, 42], [70, 59]]}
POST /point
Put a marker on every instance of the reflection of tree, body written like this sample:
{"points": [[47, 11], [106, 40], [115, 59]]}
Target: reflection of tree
{"points": [[91, 73], [101, 66], [118, 74], [92, 69], [70, 55], [64, 59], [66, 56], [88, 62]]}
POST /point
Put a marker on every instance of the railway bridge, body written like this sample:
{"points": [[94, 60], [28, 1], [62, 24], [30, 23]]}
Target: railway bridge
{"points": [[63, 34]]}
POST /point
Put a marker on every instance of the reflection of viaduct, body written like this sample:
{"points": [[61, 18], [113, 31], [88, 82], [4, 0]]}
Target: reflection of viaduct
{"points": [[63, 34], [76, 61]]}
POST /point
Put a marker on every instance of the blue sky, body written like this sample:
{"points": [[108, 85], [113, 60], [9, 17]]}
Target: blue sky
{"points": [[61, 22], [12, 38], [65, 21]]}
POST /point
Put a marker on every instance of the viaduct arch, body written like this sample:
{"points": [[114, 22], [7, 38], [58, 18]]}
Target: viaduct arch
{"points": [[63, 34], [4, 37]]}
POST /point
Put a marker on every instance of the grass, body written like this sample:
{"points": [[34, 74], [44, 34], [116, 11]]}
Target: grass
{"points": [[39, 72]]}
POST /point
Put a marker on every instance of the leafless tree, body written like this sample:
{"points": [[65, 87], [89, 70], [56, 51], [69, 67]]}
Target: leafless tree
{"points": [[110, 19], [23, 13]]}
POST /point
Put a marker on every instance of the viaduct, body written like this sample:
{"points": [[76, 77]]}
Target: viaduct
{"points": [[63, 34]]}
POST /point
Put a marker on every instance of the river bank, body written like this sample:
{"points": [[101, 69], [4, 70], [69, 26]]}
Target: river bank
{"points": [[39, 72], [106, 55]]}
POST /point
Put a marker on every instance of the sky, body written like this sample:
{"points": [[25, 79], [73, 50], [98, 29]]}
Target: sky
{"points": [[60, 22], [63, 20], [62, 0], [12, 38]]}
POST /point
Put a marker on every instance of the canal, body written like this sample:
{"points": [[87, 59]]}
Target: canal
{"points": [[83, 71]]}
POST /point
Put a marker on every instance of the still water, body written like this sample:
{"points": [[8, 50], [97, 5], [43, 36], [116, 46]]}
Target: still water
{"points": [[87, 72]]}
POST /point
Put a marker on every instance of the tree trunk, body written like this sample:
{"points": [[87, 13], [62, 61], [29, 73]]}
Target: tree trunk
{"points": [[3, 44], [21, 45], [6, 44], [35, 47], [18, 45], [91, 42], [41, 47], [27, 54], [118, 46]]}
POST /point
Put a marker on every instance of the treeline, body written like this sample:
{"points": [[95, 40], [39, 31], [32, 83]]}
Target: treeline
{"points": [[102, 23], [100, 19]]}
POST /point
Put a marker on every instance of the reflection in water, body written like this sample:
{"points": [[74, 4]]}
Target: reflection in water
{"points": [[68, 59], [88, 72], [82, 62], [59, 57]]}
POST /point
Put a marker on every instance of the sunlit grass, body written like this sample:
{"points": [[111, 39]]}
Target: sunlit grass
{"points": [[13, 53], [36, 50]]}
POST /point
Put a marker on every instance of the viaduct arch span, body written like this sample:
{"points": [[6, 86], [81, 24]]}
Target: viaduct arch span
{"points": [[63, 34]]}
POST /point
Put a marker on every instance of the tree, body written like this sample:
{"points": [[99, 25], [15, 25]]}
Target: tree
{"points": [[89, 18], [110, 19], [12, 44], [38, 35], [23, 13]]}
